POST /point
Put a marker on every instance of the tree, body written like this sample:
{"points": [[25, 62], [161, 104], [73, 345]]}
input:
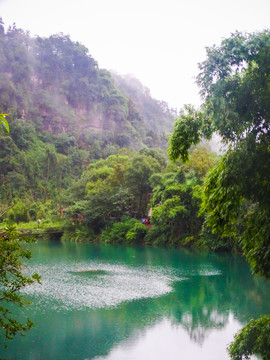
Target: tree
{"points": [[101, 193], [201, 160], [138, 176], [253, 338], [12, 280], [234, 81], [175, 205]]}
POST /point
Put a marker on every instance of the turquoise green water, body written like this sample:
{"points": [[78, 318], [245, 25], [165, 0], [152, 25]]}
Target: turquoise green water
{"points": [[135, 303]]}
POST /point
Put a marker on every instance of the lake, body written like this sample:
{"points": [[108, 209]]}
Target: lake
{"points": [[111, 302]]}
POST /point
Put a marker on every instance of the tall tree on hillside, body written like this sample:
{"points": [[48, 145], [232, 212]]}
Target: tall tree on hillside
{"points": [[234, 81], [138, 179]]}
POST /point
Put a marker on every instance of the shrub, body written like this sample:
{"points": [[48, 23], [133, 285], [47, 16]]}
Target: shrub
{"points": [[157, 235], [19, 213], [137, 233], [127, 230]]}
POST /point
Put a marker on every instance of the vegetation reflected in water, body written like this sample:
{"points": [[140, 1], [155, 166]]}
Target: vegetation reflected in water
{"points": [[211, 295]]}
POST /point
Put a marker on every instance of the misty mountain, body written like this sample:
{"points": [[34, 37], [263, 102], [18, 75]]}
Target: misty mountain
{"points": [[64, 112], [56, 84]]}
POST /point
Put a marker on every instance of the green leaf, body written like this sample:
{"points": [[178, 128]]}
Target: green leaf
{"points": [[4, 122]]}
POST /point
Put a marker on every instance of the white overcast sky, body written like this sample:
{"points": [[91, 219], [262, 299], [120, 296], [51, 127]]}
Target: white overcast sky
{"points": [[158, 41]]}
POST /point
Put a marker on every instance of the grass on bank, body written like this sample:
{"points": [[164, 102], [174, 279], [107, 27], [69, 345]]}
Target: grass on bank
{"points": [[34, 226]]}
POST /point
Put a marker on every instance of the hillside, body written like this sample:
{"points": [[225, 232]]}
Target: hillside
{"points": [[65, 112], [156, 114]]}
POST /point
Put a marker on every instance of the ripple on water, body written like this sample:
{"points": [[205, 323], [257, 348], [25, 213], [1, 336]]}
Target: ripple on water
{"points": [[80, 286], [98, 285]]}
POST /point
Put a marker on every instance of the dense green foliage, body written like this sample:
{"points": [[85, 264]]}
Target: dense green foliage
{"points": [[64, 112], [12, 279], [253, 338], [113, 192], [112, 188], [235, 85], [125, 231], [176, 202], [175, 209]]}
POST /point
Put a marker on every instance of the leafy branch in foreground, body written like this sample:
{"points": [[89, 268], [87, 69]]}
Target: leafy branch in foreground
{"points": [[253, 338], [4, 122], [12, 280]]}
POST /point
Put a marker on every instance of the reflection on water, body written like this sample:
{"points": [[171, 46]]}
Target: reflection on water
{"points": [[151, 345], [115, 302]]}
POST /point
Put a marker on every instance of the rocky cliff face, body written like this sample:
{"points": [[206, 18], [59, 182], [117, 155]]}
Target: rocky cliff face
{"points": [[56, 84]]}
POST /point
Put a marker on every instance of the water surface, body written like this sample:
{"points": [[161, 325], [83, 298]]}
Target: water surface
{"points": [[108, 302]]}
